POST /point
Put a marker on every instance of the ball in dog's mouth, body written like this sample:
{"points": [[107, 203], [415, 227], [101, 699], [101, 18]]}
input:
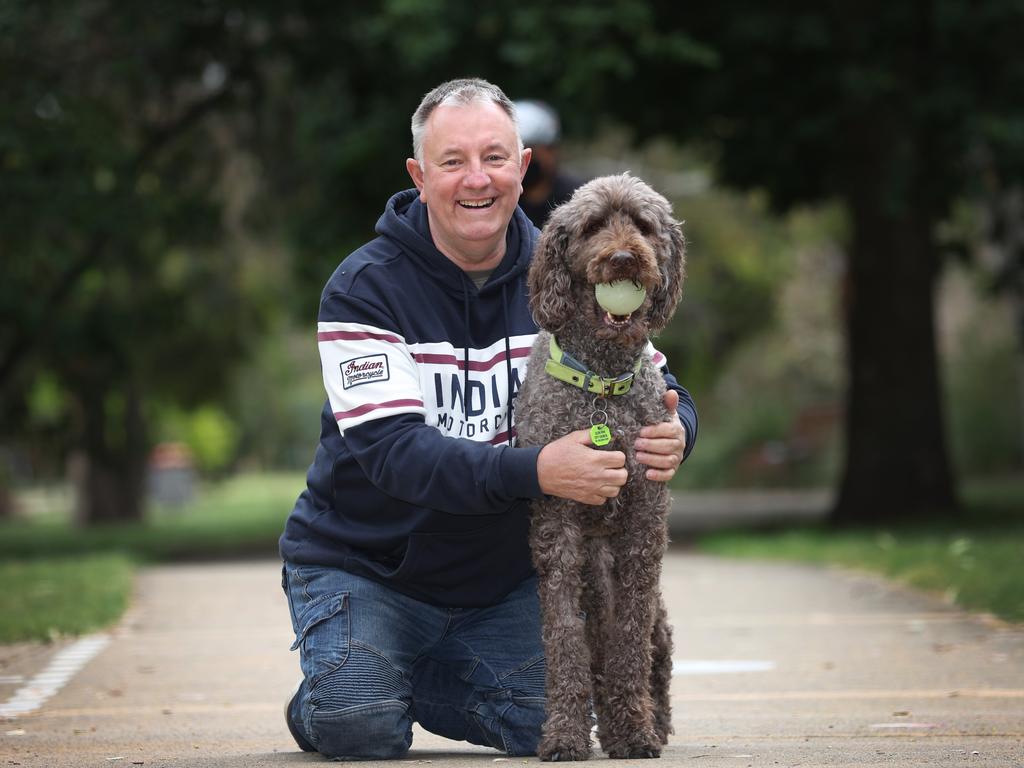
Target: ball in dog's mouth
{"points": [[619, 299]]}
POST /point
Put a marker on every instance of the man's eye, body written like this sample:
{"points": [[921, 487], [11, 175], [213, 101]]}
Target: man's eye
{"points": [[496, 158], [450, 163]]}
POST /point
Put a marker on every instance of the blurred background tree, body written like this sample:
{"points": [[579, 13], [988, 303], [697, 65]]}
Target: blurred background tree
{"points": [[880, 106], [179, 179], [123, 290]]}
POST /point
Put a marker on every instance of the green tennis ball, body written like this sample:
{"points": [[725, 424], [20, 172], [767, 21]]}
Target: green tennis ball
{"points": [[621, 297]]}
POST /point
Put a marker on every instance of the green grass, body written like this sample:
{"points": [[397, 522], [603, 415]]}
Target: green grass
{"points": [[59, 579], [242, 516], [976, 562], [43, 598]]}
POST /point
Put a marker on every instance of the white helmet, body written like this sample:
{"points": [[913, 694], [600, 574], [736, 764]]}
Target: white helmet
{"points": [[538, 123]]}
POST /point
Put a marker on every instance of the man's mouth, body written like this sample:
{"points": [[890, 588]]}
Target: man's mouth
{"points": [[477, 203]]}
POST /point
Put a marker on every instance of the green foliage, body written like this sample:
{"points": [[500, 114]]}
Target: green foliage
{"points": [[119, 292], [210, 434], [45, 598], [738, 257], [133, 281], [771, 415], [983, 378], [279, 396]]}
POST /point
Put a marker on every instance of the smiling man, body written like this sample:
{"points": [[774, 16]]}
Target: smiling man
{"points": [[407, 570], [469, 168]]}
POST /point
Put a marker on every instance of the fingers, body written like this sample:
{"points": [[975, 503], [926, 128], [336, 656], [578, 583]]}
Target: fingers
{"points": [[661, 475], [669, 459], [571, 468], [661, 447], [671, 400]]}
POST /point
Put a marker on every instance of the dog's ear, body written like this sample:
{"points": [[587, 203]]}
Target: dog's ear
{"points": [[549, 281], [673, 271]]}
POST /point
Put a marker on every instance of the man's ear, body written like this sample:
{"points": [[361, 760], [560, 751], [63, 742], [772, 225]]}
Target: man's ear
{"points": [[412, 165], [524, 163]]}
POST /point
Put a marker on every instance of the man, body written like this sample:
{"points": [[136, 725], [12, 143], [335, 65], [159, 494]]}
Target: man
{"points": [[407, 568], [545, 185]]}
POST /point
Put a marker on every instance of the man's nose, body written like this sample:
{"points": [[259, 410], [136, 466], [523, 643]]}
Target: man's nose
{"points": [[476, 178]]}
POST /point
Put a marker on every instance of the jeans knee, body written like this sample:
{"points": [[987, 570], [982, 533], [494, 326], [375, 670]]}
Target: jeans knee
{"points": [[368, 732], [511, 723]]}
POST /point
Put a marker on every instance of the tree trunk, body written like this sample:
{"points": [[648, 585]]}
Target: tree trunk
{"points": [[897, 463], [112, 487]]}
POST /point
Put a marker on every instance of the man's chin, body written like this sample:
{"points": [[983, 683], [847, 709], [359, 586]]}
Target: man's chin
{"points": [[480, 232]]}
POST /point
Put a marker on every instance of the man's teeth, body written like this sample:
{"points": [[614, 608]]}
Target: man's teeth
{"points": [[476, 203], [617, 319]]}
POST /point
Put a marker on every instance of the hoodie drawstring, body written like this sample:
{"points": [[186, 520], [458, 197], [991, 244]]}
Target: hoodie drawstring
{"points": [[465, 350], [508, 363]]}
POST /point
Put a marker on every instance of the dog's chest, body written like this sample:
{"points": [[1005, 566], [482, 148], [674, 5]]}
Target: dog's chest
{"points": [[563, 409]]}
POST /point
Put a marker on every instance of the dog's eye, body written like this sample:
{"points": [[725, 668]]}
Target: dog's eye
{"points": [[591, 227]]}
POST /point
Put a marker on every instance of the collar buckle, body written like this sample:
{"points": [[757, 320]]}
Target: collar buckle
{"points": [[565, 367]]}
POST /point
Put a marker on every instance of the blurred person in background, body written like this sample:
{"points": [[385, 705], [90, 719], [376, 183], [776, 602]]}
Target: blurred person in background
{"points": [[545, 185], [406, 563]]}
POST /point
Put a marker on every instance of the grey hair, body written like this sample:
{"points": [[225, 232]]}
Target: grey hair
{"points": [[461, 92]]}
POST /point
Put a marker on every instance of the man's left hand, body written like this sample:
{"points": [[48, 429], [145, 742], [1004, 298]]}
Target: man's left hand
{"points": [[661, 446]]}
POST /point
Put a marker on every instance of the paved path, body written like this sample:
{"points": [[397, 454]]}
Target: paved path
{"points": [[778, 665]]}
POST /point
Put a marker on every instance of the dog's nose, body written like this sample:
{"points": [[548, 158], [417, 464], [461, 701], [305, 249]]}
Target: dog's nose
{"points": [[622, 259]]}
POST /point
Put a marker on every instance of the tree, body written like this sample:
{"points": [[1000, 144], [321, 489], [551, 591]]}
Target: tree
{"points": [[116, 123], [113, 134], [880, 106]]}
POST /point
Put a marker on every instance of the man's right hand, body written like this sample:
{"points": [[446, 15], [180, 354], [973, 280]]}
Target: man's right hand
{"points": [[570, 467]]}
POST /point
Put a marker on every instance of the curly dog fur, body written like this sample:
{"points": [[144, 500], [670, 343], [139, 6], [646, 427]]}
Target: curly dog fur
{"points": [[606, 636]]}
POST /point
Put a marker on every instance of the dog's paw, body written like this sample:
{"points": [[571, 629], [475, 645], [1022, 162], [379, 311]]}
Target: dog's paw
{"points": [[642, 747], [555, 751]]}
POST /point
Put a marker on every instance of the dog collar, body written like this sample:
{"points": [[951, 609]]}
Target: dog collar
{"points": [[567, 368]]}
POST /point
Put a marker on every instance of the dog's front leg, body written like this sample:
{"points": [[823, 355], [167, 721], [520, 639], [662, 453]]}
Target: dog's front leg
{"points": [[558, 554], [661, 673], [630, 731]]}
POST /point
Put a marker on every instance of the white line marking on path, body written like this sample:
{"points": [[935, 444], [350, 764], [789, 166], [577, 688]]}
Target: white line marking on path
{"points": [[61, 668], [727, 666], [11, 679]]}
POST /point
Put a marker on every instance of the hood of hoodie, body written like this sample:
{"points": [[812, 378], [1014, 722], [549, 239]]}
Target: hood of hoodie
{"points": [[405, 221]]}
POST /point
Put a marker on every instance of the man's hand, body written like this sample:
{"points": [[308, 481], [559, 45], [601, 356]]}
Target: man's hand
{"points": [[571, 468], [661, 446]]}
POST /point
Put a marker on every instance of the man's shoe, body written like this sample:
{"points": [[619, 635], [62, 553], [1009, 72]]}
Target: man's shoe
{"points": [[293, 729]]}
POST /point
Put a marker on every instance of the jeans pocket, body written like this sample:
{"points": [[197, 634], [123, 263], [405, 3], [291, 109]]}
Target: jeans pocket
{"points": [[324, 635]]}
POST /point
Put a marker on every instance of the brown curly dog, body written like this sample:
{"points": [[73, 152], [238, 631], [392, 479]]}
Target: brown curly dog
{"points": [[606, 637]]}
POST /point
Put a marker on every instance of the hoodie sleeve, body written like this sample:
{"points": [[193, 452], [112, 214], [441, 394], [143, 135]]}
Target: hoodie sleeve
{"points": [[686, 409], [375, 393], [416, 463]]}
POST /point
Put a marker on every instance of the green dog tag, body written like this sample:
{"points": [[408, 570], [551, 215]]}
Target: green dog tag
{"points": [[600, 435]]}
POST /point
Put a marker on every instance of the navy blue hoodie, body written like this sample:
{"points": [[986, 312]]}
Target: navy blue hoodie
{"points": [[417, 482]]}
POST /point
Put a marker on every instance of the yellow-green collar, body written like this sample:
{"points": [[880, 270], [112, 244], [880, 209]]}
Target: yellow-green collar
{"points": [[567, 368]]}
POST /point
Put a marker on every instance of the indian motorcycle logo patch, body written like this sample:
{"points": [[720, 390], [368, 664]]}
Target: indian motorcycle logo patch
{"points": [[363, 370]]}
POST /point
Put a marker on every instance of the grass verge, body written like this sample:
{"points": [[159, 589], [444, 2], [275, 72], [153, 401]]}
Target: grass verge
{"points": [[44, 598], [976, 561], [58, 579]]}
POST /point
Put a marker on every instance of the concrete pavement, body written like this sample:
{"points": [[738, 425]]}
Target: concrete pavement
{"points": [[778, 665]]}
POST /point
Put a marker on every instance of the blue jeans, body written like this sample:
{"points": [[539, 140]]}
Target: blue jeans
{"points": [[375, 661]]}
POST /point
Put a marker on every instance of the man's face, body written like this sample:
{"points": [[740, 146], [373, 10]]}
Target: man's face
{"points": [[470, 181]]}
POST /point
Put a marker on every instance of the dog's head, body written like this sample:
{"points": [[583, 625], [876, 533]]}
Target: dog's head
{"points": [[613, 228]]}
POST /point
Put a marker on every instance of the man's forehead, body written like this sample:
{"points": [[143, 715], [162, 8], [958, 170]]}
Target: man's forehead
{"points": [[451, 126]]}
